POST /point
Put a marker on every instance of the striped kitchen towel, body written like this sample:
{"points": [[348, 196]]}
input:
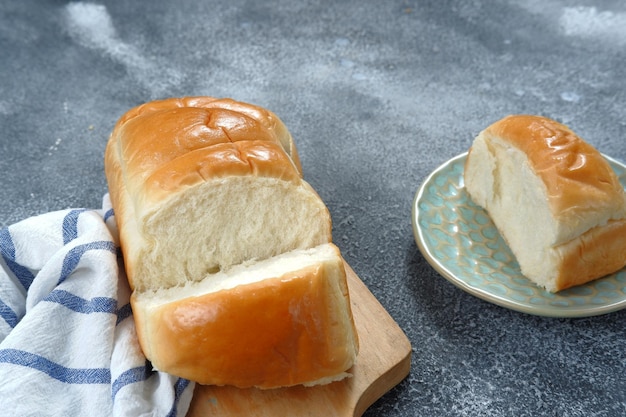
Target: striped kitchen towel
{"points": [[68, 345]]}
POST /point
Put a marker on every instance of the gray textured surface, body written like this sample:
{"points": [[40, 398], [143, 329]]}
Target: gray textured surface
{"points": [[377, 95]]}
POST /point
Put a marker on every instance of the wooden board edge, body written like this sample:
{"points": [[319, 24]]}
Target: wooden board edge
{"points": [[361, 391], [393, 376]]}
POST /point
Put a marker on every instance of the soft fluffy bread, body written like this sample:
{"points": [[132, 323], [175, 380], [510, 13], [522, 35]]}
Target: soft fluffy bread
{"points": [[553, 197], [202, 187]]}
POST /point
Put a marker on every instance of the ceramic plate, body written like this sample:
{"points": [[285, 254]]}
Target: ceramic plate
{"points": [[459, 240]]}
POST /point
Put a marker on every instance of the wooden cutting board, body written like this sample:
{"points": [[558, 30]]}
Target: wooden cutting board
{"points": [[384, 360]]}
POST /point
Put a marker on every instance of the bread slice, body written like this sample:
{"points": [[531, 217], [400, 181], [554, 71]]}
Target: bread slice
{"points": [[213, 208], [278, 322], [553, 197], [201, 188]]}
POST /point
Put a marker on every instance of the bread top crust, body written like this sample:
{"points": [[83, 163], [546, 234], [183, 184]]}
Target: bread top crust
{"points": [[207, 120], [577, 177], [164, 145], [256, 158]]}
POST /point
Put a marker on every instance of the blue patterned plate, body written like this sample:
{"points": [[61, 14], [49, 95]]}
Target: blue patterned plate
{"points": [[459, 240]]}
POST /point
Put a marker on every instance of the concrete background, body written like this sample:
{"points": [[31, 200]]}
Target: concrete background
{"points": [[377, 95]]}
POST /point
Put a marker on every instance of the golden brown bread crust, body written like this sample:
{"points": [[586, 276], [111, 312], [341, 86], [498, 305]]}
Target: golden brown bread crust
{"points": [[282, 331], [598, 252], [257, 157], [149, 138], [577, 177], [168, 163], [208, 120]]}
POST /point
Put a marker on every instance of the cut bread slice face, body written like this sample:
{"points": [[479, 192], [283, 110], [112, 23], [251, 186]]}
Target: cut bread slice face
{"points": [[553, 197], [214, 208], [277, 322]]}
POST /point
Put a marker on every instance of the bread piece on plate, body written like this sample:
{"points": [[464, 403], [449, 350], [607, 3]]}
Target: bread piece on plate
{"points": [[553, 197], [208, 191]]}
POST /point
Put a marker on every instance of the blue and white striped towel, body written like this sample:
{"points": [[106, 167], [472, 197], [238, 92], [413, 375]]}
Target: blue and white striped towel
{"points": [[68, 345]]}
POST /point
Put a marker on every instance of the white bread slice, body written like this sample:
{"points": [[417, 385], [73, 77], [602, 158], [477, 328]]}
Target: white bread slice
{"points": [[278, 322], [214, 208], [201, 186], [553, 197]]}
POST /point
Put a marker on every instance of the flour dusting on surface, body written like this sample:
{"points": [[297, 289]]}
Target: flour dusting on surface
{"points": [[592, 23], [91, 25], [5, 108]]}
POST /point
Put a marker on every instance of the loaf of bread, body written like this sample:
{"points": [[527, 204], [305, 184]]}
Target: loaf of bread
{"points": [[553, 197], [227, 249]]}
